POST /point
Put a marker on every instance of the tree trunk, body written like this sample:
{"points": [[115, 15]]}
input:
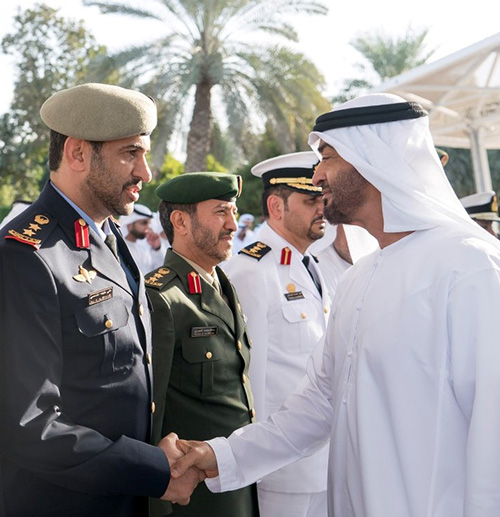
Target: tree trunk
{"points": [[198, 141]]}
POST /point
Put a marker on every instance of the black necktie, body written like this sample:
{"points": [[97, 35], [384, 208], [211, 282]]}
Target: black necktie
{"points": [[110, 242], [306, 261]]}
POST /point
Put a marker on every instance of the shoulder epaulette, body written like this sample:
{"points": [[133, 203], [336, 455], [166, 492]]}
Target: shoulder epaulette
{"points": [[256, 250], [159, 278], [32, 230]]}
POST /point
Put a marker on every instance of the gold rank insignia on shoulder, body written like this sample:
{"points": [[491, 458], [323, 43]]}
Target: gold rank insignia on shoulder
{"points": [[158, 278], [256, 250], [29, 233], [84, 275]]}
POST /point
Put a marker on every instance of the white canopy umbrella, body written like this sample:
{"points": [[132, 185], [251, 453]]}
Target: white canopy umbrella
{"points": [[461, 92]]}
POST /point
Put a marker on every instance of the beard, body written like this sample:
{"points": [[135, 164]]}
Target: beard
{"points": [[345, 194], [106, 190], [138, 234], [313, 234], [210, 243]]}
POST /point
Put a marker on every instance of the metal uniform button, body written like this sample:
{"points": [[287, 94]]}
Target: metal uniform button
{"points": [[250, 341], [240, 346], [153, 407], [208, 355], [141, 309], [108, 324], [252, 413], [244, 378], [148, 358], [303, 316], [325, 309]]}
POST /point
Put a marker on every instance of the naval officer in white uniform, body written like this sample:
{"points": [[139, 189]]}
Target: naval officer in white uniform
{"points": [[286, 305]]}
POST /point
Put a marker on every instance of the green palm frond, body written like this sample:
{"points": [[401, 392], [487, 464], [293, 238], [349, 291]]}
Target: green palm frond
{"points": [[233, 50]]}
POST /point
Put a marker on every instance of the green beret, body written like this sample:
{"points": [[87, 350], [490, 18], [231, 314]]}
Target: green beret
{"points": [[99, 112], [194, 187]]}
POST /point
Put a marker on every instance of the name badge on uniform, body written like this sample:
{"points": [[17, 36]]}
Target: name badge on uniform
{"points": [[296, 295], [100, 296], [204, 331]]}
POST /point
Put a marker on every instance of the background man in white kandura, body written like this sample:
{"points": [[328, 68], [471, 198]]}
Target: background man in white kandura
{"points": [[145, 245], [408, 389]]}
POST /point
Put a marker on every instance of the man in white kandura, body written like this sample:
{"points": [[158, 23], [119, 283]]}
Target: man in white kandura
{"points": [[145, 245], [287, 311], [408, 389]]}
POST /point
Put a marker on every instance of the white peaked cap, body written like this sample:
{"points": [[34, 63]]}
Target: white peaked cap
{"points": [[482, 205]]}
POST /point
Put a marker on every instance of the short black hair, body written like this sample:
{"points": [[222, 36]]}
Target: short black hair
{"points": [[283, 192], [56, 148], [165, 210]]}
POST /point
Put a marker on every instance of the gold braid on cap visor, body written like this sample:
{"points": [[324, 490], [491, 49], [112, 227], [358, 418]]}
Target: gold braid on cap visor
{"points": [[303, 183]]}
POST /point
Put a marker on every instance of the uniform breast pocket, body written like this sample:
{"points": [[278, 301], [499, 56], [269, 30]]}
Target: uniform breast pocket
{"points": [[204, 366], [106, 323], [302, 328]]}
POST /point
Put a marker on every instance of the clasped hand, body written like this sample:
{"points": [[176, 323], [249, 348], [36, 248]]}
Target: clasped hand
{"points": [[190, 463]]}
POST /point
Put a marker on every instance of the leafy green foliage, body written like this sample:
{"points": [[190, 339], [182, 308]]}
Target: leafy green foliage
{"points": [[459, 170], [50, 53], [384, 56]]}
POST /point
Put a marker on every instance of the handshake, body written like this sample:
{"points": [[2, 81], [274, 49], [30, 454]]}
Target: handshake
{"points": [[190, 463]]}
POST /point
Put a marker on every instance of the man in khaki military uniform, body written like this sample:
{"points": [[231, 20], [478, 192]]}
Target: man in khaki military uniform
{"points": [[201, 352]]}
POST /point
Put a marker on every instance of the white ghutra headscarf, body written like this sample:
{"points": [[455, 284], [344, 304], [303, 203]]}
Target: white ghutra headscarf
{"points": [[398, 157]]}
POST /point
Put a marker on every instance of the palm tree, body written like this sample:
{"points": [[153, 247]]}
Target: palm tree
{"points": [[386, 57], [225, 58]]}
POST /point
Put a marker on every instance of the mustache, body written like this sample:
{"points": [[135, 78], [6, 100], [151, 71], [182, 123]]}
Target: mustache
{"points": [[133, 183], [324, 186], [225, 234]]}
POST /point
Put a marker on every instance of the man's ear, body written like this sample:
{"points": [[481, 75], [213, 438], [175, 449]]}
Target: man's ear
{"points": [[181, 222], [275, 207], [76, 153]]}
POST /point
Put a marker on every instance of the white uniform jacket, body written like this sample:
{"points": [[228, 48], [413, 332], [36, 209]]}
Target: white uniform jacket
{"points": [[286, 318]]}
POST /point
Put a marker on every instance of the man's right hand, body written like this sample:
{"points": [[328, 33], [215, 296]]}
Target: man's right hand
{"points": [[196, 454], [180, 488]]}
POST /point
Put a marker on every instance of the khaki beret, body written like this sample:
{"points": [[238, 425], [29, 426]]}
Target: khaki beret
{"points": [[194, 187], [99, 112]]}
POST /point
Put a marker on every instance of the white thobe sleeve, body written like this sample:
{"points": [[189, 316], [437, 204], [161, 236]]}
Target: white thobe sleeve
{"points": [[474, 312], [301, 427]]}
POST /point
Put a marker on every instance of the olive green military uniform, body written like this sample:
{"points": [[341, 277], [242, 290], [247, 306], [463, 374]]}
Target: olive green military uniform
{"points": [[201, 356]]}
